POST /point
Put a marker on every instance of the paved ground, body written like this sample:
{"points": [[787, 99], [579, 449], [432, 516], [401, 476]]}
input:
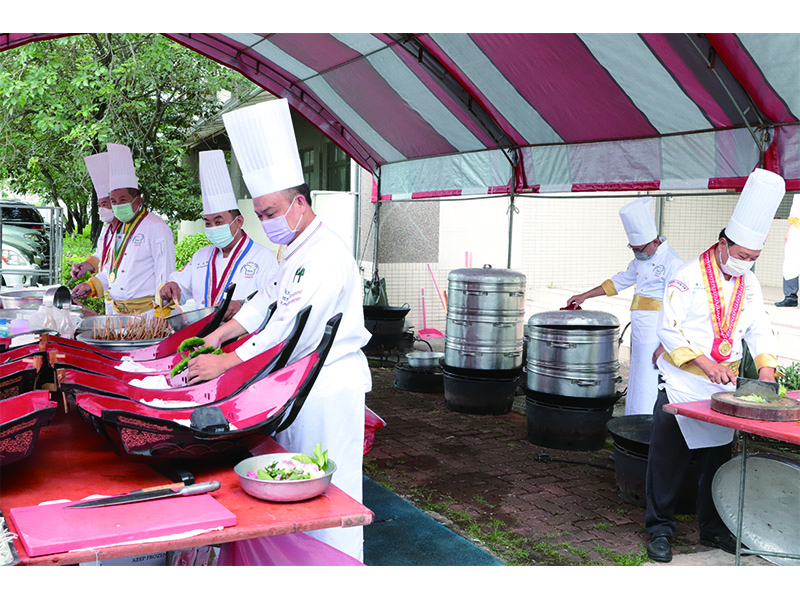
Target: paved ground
{"points": [[484, 479]]}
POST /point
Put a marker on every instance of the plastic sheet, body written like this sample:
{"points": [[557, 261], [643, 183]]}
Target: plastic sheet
{"points": [[291, 549], [372, 422]]}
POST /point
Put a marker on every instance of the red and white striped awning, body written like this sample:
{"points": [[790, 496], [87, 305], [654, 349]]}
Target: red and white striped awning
{"points": [[458, 113]]}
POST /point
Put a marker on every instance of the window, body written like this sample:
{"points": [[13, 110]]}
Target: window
{"points": [[337, 172], [307, 164]]}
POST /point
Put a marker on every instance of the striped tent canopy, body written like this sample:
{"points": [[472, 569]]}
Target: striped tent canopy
{"points": [[460, 114]]}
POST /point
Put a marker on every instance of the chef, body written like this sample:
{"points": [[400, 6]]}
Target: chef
{"points": [[710, 305], [791, 256], [142, 253], [654, 260], [233, 256], [317, 270], [97, 165]]}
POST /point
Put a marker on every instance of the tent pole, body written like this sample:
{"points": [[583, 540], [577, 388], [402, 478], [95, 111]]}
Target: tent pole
{"points": [[512, 208], [377, 228]]}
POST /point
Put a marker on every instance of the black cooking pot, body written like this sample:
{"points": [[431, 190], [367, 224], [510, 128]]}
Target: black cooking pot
{"points": [[632, 433], [385, 313]]}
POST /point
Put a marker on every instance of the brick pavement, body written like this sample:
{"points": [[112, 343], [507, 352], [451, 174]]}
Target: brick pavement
{"points": [[480, 472]]}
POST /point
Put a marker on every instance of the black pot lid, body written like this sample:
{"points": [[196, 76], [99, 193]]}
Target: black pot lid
{"points": [[573, 319]]}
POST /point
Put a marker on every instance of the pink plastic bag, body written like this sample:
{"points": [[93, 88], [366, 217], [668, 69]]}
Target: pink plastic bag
{"points": [[291, 549], [372, 423]]}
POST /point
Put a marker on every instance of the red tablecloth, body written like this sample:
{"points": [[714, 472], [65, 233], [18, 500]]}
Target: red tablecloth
{"points": [[71, 461], [784, 431]]}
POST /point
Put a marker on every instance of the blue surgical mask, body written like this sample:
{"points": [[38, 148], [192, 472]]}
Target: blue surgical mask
{"points": [[278, 230], [641, 255], [220, 235]]}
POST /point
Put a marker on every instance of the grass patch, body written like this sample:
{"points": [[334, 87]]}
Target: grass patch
{"points": [[629, 559], [602, 526]]}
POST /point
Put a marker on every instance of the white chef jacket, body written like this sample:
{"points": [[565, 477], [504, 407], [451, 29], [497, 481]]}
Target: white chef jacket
{"points": [[791, 250], [650, 277], [106, 236], [686, 331], [147, 262], [318, 269], [253, 268]]}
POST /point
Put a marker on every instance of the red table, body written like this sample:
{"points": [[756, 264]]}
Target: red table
{"points": [[72, 461], [783, 431]]}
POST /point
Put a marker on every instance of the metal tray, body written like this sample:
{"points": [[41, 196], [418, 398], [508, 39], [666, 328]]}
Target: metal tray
{"points": [[116, 344], [771, 503]]}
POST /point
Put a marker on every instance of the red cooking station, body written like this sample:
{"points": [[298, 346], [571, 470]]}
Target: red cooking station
{"points": [[72, 462]]}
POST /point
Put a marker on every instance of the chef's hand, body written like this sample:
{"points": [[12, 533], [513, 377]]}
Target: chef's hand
{"points": [[79, 270], [659, 351], [210, 366], [577, 300], [766, 374], [213, 339], [82, 290], [714, 371], [233, 308], [168, 292]]}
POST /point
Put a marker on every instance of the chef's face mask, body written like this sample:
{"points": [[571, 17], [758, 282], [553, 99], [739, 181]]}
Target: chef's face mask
{"points": [[640, 253], [277, 228], [125, 212], [106, 214], [735, 267], [221, 235]]}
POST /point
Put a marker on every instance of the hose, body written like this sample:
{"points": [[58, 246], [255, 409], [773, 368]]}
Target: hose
{"points": [[545, 457]]}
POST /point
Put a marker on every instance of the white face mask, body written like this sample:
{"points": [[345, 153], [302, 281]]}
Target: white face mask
{"points": [[736, 267], [106, 214]]}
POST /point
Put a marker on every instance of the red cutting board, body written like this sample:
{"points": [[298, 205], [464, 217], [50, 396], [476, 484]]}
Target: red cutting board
{"points": [[49, 528]]}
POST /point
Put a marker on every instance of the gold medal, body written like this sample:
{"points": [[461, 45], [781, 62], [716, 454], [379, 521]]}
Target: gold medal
{"points": [[112, 277], [725, 348]]}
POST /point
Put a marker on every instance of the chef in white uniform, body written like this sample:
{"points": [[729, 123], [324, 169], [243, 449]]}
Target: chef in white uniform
{"points": [[710, 305], [649, 271], [232, 258], [791, 256], [317, 270], [97, 165], [142, 254]]}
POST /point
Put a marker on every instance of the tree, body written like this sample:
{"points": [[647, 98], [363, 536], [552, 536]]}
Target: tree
{"points": [[63, 99]]}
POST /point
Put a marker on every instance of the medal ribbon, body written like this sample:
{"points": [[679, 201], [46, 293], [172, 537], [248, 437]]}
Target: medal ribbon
{"points": [[723, 325], [128, 230], [110, 233], [217, 288]]}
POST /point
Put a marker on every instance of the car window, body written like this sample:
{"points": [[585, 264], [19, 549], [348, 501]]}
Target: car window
{"points": [[20, 214]]}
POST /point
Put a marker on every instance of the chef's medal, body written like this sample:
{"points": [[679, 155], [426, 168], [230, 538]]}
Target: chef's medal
{"points": [[723, 324], [112, 276]]}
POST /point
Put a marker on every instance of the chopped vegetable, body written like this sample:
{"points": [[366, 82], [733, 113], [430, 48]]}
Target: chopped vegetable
{"points": [[782, 391], [752, 398], [288, 470]]}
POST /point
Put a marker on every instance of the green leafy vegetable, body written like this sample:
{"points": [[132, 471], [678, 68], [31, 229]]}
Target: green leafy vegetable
{"points": [[191, 342], [320, 458]]}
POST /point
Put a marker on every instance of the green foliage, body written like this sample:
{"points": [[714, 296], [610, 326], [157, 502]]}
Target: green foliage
{"points": [[186, 248], [63, 99], [76, 249], [790, 377]]}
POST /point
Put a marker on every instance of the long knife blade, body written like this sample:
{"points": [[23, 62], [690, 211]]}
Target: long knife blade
{"points": [[141, 496]]}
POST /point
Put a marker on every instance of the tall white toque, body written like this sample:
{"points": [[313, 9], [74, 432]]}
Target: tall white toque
{"points": [[639, 222], [263, 140], [215, 183], [755, 209], [121, 172], [97, 165]]}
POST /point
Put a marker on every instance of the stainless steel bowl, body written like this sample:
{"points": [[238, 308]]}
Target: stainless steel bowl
{"points": [[57, 295], [85, 333], [424, 359], [180, 320], [280, 491]]}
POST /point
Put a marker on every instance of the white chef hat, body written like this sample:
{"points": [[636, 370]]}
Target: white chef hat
{"points": [[97, 165], [795, 210], [638, 221], [263, 140], [121, 172], [755, 209], [215, 183]]}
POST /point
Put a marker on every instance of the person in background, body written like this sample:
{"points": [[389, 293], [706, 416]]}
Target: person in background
{"points": [[791, 256], [653, 263], [710, 305], [142, 252], [317, 270], [233, 256]]}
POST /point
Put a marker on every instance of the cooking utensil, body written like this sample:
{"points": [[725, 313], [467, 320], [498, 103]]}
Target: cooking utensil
{"points": [[163, 491], [768, 390], [424, 359], [58, 296], [280, 491], [180, 320], [426, 333]]}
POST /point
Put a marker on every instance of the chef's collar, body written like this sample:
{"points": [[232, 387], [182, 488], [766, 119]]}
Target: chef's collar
{"points": [[301, 239]]}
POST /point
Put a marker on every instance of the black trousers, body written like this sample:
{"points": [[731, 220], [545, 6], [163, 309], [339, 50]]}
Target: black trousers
{"points": [[667, 463]]}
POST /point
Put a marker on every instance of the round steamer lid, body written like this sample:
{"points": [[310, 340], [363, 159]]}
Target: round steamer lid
{"points": [[487, 274], [771, 503], [573, 319]]}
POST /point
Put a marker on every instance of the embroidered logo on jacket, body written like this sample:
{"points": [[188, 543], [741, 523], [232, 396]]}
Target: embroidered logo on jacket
{"points": [[250, 269], [298, 274], [678, 285]]}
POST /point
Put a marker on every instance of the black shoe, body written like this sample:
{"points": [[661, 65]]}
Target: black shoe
{"points": [[726, 542], [660, 549], [787, 302]]}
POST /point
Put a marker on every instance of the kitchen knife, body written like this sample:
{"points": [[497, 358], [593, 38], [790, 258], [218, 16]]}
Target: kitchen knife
{"points": [[167, 491], [768, 390]]}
